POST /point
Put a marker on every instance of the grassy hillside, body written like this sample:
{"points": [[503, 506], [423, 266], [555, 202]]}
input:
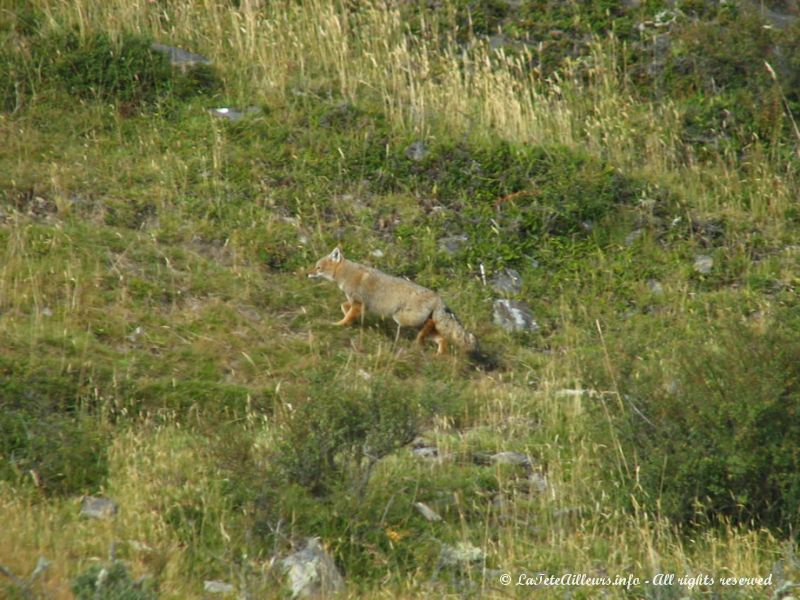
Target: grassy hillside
{"points": [[635, 163]]}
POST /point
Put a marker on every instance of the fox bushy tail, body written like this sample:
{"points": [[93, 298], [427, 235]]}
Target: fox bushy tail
{"points": [[451, 328]]}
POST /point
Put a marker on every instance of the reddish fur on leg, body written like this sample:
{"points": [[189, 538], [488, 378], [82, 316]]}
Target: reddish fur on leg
{"points": [[426, 330], [352, 314]]}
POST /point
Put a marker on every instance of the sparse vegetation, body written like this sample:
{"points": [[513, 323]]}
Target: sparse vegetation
{"points": [[636, 163]]}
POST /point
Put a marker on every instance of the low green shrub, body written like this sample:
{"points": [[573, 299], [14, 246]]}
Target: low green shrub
{"points": [[47, 435], [506, 198], [95, 66], [717, 69], [60, 454], [335, 428], [724, 53], [712, 429], [325, 478], [341, 430]]}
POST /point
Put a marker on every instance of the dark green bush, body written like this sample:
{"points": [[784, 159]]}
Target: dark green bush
{"points": [[720, 54], [716, 68], [506, 198], [722, 421], [341, 430], [94, 66], [338, 428], [321, 479], [65, 454], [97, 67], [46, 432], [20, 17]]}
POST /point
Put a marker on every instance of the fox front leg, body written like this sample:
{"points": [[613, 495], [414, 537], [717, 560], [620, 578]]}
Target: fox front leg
{"points": [[353, 311], [426, 330], [441, 343], [429, 329]]}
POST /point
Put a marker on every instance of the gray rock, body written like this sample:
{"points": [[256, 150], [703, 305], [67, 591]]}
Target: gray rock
{"points": [[510, 458], [570, 512], [180, 57], [660, 53], [708, 231], [312, 572], [462, 554], [500, 502], [783, 591], [426, 452], [498, 41], [492, 574], [703, 264], [513, 315], [249, 312], [416, 151], [779, 16], [420, 441], [232, 114], [537, 482], [575, 393], [507, 281], [427, 512], [97, 507], [634, 235], [339, 116], [452, 244], [218, 587], [655, 287]]}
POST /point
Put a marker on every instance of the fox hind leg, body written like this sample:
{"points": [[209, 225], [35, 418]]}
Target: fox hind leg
{"points": [[346, 307]]}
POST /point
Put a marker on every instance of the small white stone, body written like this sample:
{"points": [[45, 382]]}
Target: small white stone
{"points": [[218, 587], [427, 512]]}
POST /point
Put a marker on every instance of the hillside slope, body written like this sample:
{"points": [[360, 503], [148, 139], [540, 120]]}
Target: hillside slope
{"points": [[625, 174]]}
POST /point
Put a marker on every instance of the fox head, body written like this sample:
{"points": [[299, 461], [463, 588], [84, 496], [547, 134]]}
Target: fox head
{"points": [[326, 266]]}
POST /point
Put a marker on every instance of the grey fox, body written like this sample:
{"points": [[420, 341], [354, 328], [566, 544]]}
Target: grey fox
{"points": [[408, 304]]}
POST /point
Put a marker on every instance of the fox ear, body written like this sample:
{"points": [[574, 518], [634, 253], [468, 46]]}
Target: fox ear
{"points": [[336, 255]]}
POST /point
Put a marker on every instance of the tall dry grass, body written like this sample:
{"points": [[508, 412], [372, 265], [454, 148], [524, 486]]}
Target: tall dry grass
{"points": [[427, 82]]}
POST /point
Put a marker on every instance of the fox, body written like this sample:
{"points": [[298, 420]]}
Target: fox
{"points": [[407, 303]]}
